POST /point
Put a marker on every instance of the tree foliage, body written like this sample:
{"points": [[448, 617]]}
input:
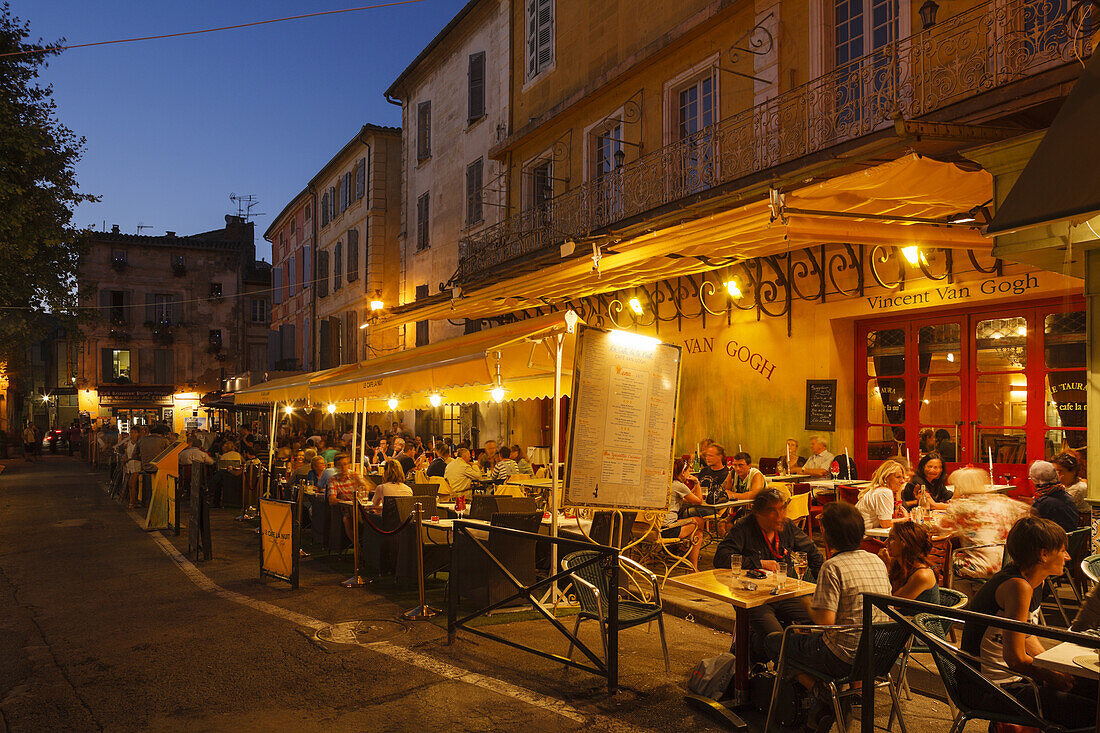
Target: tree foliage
{"points": [[39, 247]]}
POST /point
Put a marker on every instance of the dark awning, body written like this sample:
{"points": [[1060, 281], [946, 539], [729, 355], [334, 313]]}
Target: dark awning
{"points": [[1062, 179]]}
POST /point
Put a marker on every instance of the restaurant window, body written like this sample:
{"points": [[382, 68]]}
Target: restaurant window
{"points": [[1065, 380], [452, 422], [1005, 385]]}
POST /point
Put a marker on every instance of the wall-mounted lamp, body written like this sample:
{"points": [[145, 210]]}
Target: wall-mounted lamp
{"points": [[376, 305], [733, 289], [928, 13], [636, 306]]}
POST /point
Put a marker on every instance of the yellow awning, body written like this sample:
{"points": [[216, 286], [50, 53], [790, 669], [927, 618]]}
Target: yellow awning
{"points": [[285, 389], [461, 370], [911, 187]]}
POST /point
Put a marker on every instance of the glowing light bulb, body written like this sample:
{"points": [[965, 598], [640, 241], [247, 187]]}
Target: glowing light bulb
{"points": [[377, 305], [288, 410], [912, 254], [950, 356], [436, 399], [331, 409], [498, 394], [392, 403], [635, 305], [734, 291]]}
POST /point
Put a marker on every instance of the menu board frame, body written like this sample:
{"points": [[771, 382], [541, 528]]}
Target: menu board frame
{"points": [[662, 444], [811, 386]]}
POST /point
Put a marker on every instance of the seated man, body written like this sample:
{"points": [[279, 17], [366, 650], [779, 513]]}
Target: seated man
{"points": [[342, 487], [459, 473], [820, 462], [714, 476], [439, 465], [747, 479], [505, 467], [763, 538], [407, 458], [383, 451], [1038, 551], [838, 601]]}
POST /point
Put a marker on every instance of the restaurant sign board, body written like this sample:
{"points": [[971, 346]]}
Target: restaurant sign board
{"points": [[280, 537], [622, 421], [126, 395]]}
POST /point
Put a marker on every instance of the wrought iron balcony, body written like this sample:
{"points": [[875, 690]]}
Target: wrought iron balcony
{"points": [[988, 46]]}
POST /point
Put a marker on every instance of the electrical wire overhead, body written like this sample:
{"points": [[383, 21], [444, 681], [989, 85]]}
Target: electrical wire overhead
{"points": [[52, 49]]}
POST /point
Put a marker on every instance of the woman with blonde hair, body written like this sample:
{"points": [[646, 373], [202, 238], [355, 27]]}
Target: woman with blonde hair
{"points": [[880, 501], [980, 518], [393, 477]]}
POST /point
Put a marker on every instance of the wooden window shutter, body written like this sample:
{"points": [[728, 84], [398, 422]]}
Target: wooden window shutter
{"points": [[361, 178], [423, 130], [322, 273], [324, 209], [476, 86], [150, 307], [106, 365], [175, 310], [353, 255], [473, 192], [422, 222], [337, 266]]}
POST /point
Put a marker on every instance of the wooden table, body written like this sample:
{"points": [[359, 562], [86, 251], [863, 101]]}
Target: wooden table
{"points": [[1060, 659], [716, 584], [789, 478]]}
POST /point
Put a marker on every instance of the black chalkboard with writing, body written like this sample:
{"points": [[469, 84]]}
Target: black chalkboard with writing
{"points": [[821, 404]]}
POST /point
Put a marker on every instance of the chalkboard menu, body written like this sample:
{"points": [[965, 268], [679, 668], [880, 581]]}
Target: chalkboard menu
{"points": [[821, 404]]}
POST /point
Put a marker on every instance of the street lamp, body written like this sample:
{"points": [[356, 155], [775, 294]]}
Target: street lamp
{"points": [[620, 158], [928, 13]]}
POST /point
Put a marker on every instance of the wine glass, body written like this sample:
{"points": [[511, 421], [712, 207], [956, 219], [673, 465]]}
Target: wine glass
{"points": [[799, 563]]}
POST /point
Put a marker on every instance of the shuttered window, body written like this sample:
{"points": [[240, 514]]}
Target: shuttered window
{"points": [[286, 341], [290, 276], [540, 36], [422, 222], [352, 321], [324, 346], [476, 87], [332, 202], [322, 273], [337, 266], [164, 364], [277, 285], [361, 178], [423, 130], [345, 192], [421, 326], [307, 267], [324, 210], [353, 255], [474, 213]]}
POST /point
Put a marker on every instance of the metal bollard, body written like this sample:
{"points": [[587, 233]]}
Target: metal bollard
{"points": [[423, 611]]}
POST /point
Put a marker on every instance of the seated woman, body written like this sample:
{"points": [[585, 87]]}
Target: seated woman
{"points": [[1038, 549], [520, 457], [928, 479], [912, 574], [1051, 500], [880, 501], [393, 484], [980, 518], [1071, 474], [682, 499]]}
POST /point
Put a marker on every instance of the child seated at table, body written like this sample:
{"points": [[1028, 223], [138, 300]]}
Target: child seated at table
{"points": [[1038, 551]]}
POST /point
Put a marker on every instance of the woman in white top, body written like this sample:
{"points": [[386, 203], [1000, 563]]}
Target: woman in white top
{"points": [[393, 485], [680, 497], [880, 503]]}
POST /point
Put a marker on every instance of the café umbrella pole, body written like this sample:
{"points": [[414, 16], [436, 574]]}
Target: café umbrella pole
{"points": [[354, 431], [554, 458], [423, 611], [356, 580], [363, 436]]}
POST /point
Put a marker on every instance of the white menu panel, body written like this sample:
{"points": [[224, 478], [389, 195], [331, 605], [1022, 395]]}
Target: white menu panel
{"points": [[622, 421]]}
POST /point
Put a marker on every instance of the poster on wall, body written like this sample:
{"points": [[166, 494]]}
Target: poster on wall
{"points": [[622, 421]]}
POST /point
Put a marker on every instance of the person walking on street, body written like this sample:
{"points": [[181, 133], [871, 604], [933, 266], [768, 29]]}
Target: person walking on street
{"points": [[28, 443]]}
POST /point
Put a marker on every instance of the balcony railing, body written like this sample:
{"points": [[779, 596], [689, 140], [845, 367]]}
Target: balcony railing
{"points": [[973, 52]]}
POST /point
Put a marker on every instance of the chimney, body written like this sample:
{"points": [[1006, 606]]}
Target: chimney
{"points": [[114, 229], [169, 233]]}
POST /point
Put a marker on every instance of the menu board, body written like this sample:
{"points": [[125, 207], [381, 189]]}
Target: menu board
{"points": [[622, 421], [821, 404]]}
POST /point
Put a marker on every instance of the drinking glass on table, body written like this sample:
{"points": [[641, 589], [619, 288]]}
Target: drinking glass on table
{"points": [[735, 565], [780, 574], [799, 562]]}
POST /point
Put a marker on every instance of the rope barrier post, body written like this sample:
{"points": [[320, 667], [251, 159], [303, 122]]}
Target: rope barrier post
{"points": [[356, 580], [423, 611]]}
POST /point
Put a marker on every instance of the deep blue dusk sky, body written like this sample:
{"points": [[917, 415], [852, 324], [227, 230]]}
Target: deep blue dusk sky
{"points": [[173, 126]]}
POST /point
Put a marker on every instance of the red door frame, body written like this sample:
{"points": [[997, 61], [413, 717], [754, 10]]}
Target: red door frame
{"points": [[1035, 427]]}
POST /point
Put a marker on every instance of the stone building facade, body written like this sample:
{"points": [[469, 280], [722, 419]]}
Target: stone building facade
{"points": [[291, 238]]}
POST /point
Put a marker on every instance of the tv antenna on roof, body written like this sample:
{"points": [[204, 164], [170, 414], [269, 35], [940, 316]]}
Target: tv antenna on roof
{"points": [[245, 203], [141, 226]]}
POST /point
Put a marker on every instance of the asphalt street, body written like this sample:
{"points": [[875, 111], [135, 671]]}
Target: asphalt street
{"points": [[101, 629]]}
